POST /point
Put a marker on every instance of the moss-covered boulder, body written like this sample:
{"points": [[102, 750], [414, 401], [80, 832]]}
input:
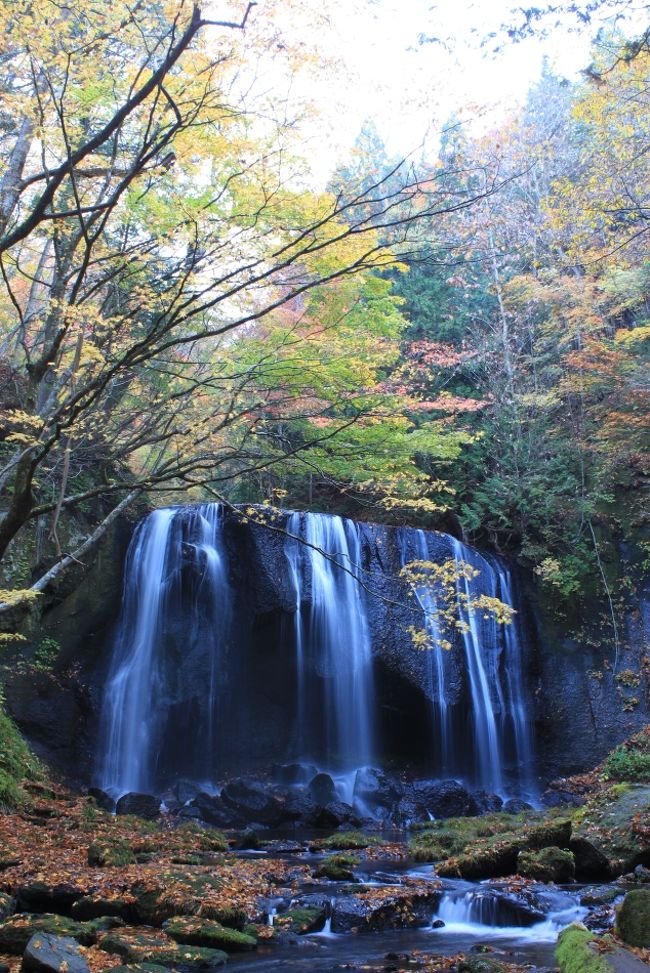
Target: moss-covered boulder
{"points": [[576, 953], [615, 823], [548, 834], [139, 968], [6, 905], [491, 858], [337, 868], [547, 865], [631, 761], [150, 948], [346, 841], [183, 893], [97, 906], [633, 918], [107, 854], [304, 920], [206, 932], [480, 964], [17, 930]]}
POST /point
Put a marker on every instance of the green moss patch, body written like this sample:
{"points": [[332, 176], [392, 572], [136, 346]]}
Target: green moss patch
{"points": [[547, 865], [16, 764], [633, 918], [337, 868], [206, 932], [575, 954]]}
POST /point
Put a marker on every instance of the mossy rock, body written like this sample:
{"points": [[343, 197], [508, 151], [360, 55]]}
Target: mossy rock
{"points": [[138, 968], [575, 952], [304, 920], [149, 948], [90, 907], [487, 860], [549, 834], [113, 854], [6, 905], [193, 837], [453, 837], [206, 932], [17, 930], [337, 868], [480, 964], [630, 761], [130, 945], [187, 957], [347, 841], [633, 918], [547, 865], [175, 893], [613, 823]]}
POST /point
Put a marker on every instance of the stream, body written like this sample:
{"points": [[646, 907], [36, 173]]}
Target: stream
{"points": [[518, 923]]}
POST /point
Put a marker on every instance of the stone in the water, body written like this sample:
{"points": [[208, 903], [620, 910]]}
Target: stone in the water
{"points": [[515, 806], [487, 803], [46, 953], [293, 773], [409, 811], [322, 790], [445, 799], [140, 805], [252, 801], [375, 789], [333, 815], [212, 810]]}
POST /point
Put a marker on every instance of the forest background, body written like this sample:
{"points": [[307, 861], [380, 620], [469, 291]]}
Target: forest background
{"points": [[459, 342]]}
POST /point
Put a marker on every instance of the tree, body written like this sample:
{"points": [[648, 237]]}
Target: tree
{"points": [[152, 233]]}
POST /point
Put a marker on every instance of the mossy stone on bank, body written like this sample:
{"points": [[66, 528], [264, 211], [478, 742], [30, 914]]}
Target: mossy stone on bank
{"points": [[547, 865], [17, 930], [575, 952], [206, 932], [633, 918]]}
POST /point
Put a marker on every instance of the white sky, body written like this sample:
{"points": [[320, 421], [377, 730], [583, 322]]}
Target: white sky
{"points": [[408, 88]]}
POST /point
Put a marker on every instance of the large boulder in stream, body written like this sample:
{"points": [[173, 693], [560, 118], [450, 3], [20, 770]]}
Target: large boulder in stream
{"points": [[445, 798], [141, 805], [390, 907], [252, 801]]}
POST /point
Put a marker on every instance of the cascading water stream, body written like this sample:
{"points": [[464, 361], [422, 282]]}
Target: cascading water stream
{"points": [[414, 547], [480, 640], [493, 665], [167, 619], [332, 637]]}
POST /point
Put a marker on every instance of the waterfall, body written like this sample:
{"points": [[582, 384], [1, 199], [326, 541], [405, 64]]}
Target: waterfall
{"points": [[201, 680], [154, 723], [332, 638], [414, 546], [501, 748]]}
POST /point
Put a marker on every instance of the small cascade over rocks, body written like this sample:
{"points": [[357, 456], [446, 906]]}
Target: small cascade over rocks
{"points": [[235, 650]]}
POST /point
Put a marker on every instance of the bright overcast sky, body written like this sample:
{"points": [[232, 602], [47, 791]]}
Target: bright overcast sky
{"points": [[407, 87]]}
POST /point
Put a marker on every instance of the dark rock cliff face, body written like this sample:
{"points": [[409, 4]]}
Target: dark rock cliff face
{"points": [[581, 707]]}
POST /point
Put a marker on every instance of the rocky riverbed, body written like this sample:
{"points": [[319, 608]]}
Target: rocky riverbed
{"points": [[84, 889]]}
